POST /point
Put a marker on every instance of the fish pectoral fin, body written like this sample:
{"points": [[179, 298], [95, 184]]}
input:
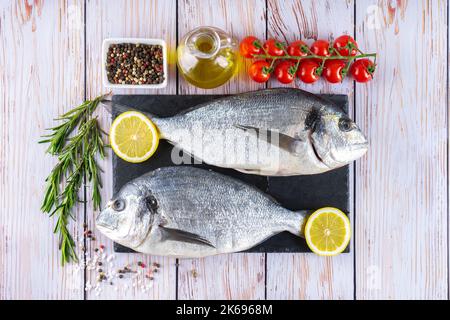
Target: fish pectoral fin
{"points": [[183, 236], [284, 141]]}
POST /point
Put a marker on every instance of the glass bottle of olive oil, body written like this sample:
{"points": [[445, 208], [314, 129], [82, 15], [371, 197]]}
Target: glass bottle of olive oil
{"points": [[207, 57]]}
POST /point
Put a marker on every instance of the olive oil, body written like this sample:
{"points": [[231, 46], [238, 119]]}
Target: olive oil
{"points": [[204, 44], [207, 57]]}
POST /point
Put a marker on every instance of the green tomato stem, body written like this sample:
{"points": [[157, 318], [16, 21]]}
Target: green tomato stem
{"points": [[314, 56], [297, 64]]}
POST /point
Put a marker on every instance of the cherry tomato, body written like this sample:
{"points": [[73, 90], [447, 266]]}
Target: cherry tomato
{"points": [[307, 71], [274, 47], [333, 70], [285, 71], [362, 70], [342, 44], [297, 48], [250, 46], [259, 71], [320, 48]]}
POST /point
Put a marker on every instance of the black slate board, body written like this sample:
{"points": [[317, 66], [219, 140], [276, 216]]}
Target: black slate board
{"points": [[295, 193]]}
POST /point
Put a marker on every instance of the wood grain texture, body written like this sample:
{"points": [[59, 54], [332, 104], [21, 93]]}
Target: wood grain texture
{"points": [[307, 276], [41, 76], [234, 276], [401, 222], [401, 233], [141, 19]]}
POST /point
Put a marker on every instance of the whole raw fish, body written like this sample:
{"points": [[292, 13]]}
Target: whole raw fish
{"points": [[275, 132], [185, 211]]}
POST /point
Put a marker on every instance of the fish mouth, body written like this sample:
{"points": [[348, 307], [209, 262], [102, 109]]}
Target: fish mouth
{"points": [[101, 222], [102, 227], [359, 149], [359, 146]]}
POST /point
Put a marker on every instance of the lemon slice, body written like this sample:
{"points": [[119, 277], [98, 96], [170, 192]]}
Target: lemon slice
{"points": [[133, 137], [327, 231]]}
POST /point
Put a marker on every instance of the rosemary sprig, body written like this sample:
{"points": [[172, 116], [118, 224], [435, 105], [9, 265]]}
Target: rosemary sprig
{"points": [[76, 160]]}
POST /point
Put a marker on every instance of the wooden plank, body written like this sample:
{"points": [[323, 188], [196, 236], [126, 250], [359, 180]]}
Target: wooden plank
{"points": [[306, 276], [41, 76], [401, 233], [234, 276], [142, 19]]}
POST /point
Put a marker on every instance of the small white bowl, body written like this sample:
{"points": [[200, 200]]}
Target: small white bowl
{"points": [[110, 41]]}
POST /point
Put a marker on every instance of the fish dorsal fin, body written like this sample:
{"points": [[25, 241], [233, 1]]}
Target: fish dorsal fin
{"points": [[284, 141], [183, 236]]}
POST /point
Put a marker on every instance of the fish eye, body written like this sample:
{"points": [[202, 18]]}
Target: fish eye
{"points": [[152, 203], [118, 205], [345, 124]]}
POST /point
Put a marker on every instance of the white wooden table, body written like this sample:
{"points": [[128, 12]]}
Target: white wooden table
{"points": [[50, 61]]}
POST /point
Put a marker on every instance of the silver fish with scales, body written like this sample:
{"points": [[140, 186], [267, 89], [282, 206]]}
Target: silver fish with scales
{"points": [[185, 211], [274, 132]]}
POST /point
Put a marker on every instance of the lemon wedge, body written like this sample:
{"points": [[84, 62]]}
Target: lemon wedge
{"points": [[327, 231], [133, 137]]}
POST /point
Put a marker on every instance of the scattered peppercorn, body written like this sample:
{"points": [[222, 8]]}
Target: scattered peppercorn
{"points": [[100, 263], [101, 276], [96, 249], [157, 265], [120, 276], [130, 63]]}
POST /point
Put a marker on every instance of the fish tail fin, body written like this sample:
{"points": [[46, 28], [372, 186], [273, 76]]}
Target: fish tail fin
{"points": [[297, 224]]}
